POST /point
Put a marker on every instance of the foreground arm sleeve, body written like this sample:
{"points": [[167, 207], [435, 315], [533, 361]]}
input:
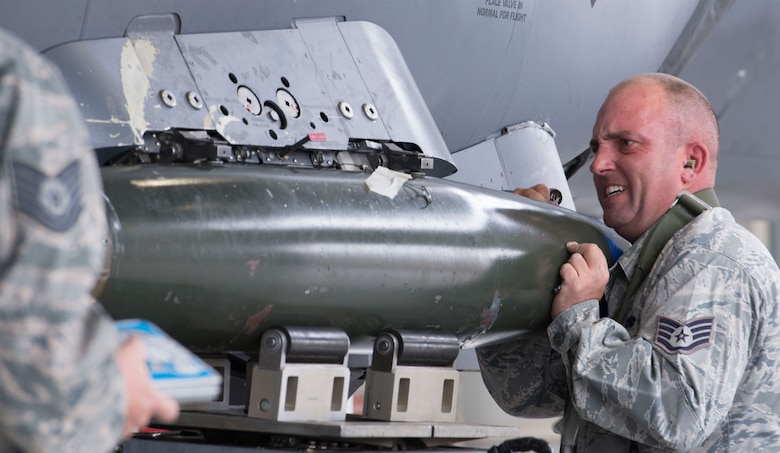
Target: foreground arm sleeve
{"points": [[525, 376], [60, 386], [662, 387]]}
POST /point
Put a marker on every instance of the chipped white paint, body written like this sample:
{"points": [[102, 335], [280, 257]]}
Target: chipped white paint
{"points": [[208, 122], [146, 53], [135, 88], [112, 120], [222, 120]]}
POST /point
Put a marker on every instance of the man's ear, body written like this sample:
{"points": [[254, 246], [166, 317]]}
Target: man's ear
{"points": [[696, 159]]}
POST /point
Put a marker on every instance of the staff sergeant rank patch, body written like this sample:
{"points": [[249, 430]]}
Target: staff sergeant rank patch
{"points": [[53, 201], [684, 338]]}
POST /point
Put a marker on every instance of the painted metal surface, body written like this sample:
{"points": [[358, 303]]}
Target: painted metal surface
{"points": [[342, 81]]}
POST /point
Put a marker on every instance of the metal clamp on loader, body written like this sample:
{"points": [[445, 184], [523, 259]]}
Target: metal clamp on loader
{"points": [[301, 375], [411, 377]]}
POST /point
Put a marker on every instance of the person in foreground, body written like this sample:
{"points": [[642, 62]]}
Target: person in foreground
{"points": [[684, 352], [66, 384]]}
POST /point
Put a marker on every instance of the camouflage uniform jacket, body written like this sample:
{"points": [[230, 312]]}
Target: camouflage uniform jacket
{"points": [[60, 386], [691, 368]]}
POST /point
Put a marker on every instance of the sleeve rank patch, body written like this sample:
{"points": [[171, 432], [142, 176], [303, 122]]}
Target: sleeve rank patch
{"points": [[675, 337], [54, 201]]}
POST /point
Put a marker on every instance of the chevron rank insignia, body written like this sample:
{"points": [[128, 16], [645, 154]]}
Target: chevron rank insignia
{"points": [[54, 201], [675, 337]]}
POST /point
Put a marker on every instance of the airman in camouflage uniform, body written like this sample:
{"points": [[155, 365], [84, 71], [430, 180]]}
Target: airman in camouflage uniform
{"points": [[61, 375], [690, 363]]}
